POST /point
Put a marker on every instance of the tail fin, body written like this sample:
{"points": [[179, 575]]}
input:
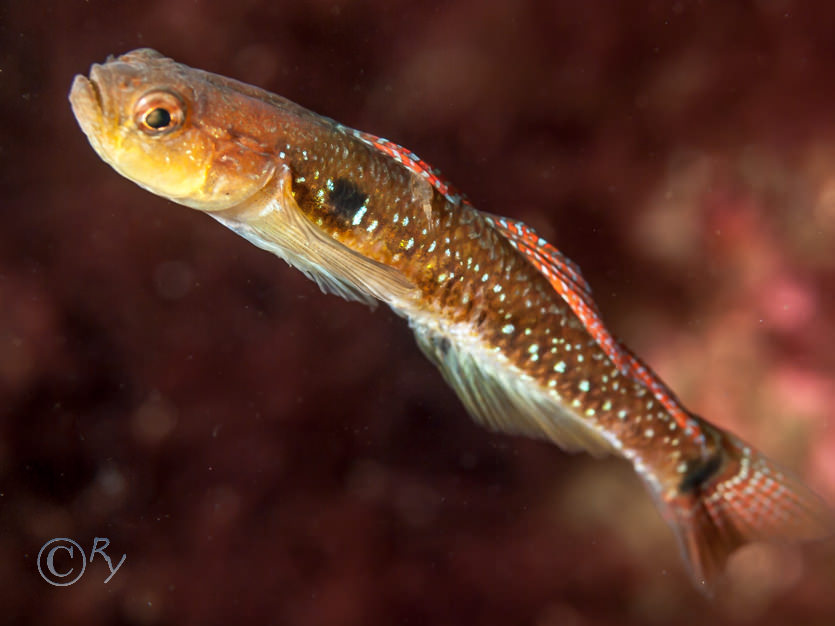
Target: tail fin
{"points": [[736, 497]]}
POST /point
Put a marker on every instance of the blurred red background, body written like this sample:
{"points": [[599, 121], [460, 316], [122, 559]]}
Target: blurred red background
{"points": [[263, 453]]}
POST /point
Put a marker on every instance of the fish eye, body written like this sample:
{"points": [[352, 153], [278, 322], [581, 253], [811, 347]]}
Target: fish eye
{"points": [[159, 113], [158, 118]]}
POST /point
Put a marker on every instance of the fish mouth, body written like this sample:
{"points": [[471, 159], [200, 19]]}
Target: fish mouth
{"points": [[87, 102]]}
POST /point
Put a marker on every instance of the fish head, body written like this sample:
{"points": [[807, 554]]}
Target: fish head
{"points": [[175, 131]]}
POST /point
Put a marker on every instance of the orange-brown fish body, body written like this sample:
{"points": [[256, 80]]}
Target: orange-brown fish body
{"points": [[508, 320], [473, 280]]}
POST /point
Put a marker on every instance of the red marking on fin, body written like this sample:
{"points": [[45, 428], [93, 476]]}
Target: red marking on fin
{"points": [[567, 279], [663, 394], [412, 162], [742, 498]]}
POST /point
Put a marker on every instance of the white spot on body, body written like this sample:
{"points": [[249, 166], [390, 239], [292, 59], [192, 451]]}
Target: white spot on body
{"points": [[358, 215]]}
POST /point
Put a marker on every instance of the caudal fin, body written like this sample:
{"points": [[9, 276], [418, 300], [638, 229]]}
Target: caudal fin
{"points": [[738, 497]]}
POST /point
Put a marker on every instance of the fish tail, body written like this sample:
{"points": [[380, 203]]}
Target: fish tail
{"points": [[734, 497]]}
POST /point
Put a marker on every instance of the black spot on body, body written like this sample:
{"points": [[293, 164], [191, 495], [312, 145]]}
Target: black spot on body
{"points": [[699, 472], [346, 198]]}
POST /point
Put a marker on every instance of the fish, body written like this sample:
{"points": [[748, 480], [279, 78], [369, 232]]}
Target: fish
{"points": [[508, 320]]}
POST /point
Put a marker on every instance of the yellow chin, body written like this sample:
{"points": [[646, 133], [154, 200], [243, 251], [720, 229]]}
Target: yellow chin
{"points": [[190, 177], [179, 180]]}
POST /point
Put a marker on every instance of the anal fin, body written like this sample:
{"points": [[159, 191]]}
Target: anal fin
{"points": [[498, 396]]}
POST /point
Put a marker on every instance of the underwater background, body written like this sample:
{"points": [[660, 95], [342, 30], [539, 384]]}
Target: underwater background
{"points": [[263, 453]]}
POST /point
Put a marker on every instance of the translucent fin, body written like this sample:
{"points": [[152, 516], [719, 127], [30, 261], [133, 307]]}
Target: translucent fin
{"points": [[736, 497], [281, 228], [500, 397]]}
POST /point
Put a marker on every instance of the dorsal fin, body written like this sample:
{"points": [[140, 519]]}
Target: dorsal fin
{"points": [[662, 393], [567, 280], [412, 162], [545, 257]]}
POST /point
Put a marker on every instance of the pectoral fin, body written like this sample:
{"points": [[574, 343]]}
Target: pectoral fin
{"points": [[280, 227]]}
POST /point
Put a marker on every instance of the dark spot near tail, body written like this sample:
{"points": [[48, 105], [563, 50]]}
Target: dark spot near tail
{"points": [[698, 472], [443, 345], [346, 198]]}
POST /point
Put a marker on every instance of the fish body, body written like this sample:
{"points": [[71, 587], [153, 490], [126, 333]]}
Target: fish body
{"points": [[509, 321]]}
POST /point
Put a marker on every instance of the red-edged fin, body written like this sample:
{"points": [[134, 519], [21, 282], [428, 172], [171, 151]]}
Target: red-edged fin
{"points": [[663, 394], [547, 259], [734, 497], [567, 279], [412, 162]]}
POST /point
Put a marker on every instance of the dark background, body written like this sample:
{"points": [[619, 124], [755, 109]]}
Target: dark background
{"points": [[263, 453]]}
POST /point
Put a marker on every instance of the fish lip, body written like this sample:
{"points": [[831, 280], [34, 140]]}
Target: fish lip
{"points": [[95, 86], [86, 99]]}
